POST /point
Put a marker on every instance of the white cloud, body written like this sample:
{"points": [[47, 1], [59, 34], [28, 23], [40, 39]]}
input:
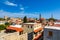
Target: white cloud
{"points": [[9, 3], [22, 8], [20, 14]]}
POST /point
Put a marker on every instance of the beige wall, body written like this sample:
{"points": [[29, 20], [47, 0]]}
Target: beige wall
{"points": [[27, 29], [23, 37], [14, 36], [37, 26]]}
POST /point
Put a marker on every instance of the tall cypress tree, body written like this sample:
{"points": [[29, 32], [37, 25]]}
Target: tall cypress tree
{"points": [[25, 19], [40, 18]]}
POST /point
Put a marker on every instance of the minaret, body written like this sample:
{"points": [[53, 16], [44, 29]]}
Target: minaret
{"points": [[51, 15], [40, 16]]}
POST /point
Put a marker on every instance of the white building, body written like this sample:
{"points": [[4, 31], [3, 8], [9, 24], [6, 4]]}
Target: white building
{"points": [[34, 30], [2, 22], [52, 32]]}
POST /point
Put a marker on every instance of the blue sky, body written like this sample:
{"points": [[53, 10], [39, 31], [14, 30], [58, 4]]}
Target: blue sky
{"points": [[30, 8]]}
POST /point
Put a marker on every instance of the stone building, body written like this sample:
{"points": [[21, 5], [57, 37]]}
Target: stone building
{"points": [[34, 30], [52, 32], [26, 31]]}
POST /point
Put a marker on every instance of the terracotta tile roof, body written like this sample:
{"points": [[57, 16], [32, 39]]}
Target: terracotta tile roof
{"points": [[38, 36], [39, 29], [57, 25], [42, 19], [15, 28]]}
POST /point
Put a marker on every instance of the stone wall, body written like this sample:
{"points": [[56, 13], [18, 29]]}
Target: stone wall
{"points": [[14, 36]]}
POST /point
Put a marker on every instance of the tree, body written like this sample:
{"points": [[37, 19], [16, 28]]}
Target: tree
{"points": [[25, 19], [2, 27], [7, 24], [36, 18], [51, 19], [2, 19]]}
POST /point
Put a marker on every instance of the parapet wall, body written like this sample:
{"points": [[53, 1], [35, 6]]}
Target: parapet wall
{"points": [[14, 36]]}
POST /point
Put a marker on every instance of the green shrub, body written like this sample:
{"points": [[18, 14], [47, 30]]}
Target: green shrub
{"points": [[2, 27]]}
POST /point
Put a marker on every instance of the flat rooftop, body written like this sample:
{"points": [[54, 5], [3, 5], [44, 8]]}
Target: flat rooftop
{"points": [[52, 27], [17, 26], [29, 23], [56, 26]]}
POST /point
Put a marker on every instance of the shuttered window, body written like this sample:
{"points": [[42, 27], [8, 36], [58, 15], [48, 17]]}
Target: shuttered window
{"points": [[50, 33]]}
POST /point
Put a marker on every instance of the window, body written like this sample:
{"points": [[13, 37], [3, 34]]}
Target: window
{"points": [[28, 26], [31, 26], [50, 33], [19, 33]]}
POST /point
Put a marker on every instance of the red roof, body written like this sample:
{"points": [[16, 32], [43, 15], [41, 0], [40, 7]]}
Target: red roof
{"points": [[42, 19], [15, 28], [57, 25], [39, 29], [37, 37]]}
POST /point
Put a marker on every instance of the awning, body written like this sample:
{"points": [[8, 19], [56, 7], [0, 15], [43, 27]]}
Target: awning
{"points": [[15, 28], [37, 37], [39, 29]]}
